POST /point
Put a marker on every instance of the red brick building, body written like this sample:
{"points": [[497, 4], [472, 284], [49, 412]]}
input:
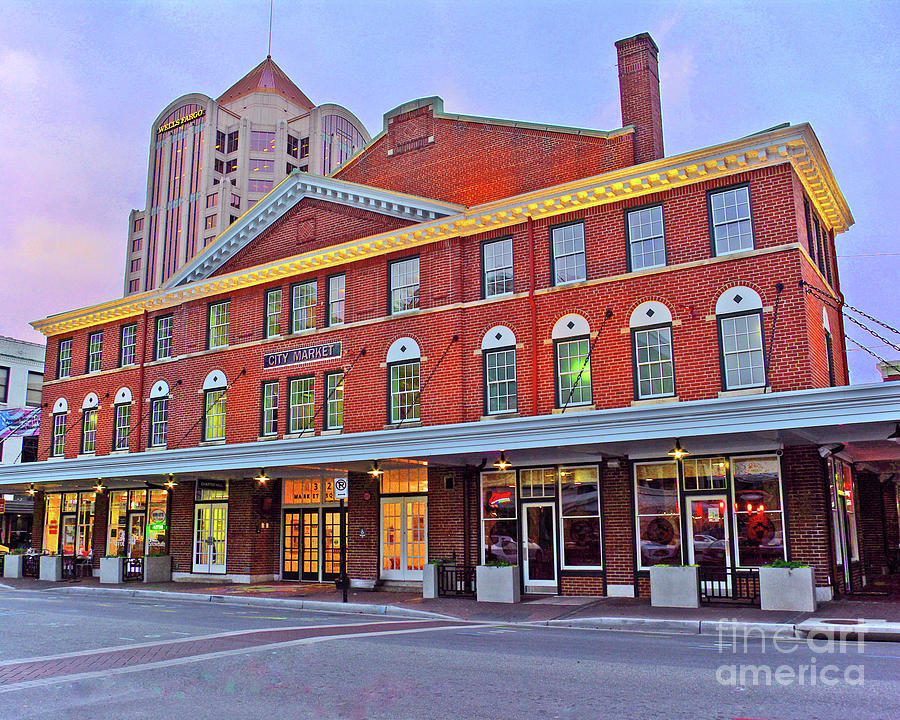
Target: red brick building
{"points": [[516, 324]]}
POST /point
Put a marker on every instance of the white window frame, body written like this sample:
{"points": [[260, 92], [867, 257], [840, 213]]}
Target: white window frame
{"points": [[638, 516], [405, 285], [122, 426], [334, 399], [567, 248], [586, 365], [303, 306], [561, 549], [64, 363], [738, 353], [269, 424], [163, 341], [159, 417], [726, 214], [273, 312], [89, 435], [301, 404], [337, 296], [211, 421], [219, 315], [645, 227], [397, 397], [651, 364], [496, 257], [95, 352], [511, 401], [58, 445], [734, 516], [128, 348]]}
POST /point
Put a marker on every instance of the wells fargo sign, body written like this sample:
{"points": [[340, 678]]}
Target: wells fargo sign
{"points": [[312, 353], [181, 121]]}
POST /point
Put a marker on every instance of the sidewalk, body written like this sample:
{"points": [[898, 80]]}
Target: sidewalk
{"points": [[876, 619]]}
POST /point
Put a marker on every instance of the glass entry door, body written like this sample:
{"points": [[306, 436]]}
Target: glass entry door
{"points": [[290, 564], [539, 547], [310, 568], [331, 543], [709, 546], [136, 522], [210, 532], [67, 536], [312, 544], [404, 537]]}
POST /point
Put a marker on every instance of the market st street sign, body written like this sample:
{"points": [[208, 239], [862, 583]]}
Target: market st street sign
{"points": [[313, 353]]}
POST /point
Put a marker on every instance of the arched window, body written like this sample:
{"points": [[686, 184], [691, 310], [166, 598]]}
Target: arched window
{"points": [[89, 423], [214, 400], [572, 354], [651, 346], [498, 352], [122, 419], [739, 317], [403, 363], [159, 414], [60, 413]]}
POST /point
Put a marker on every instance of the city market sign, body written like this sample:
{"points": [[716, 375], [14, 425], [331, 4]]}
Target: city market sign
{"points": [[180, 121], [313, 353]]}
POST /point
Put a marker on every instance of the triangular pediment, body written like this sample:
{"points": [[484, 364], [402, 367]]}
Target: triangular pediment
{"points": [[289, 193]]}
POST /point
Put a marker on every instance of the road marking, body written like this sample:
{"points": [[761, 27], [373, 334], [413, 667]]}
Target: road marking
{"points": [[216, 654]]}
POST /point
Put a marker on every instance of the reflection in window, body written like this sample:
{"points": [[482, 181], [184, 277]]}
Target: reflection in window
{"points": [[255, 185], [579, 496], [757, 505], [262, 141], [659, 528], [497, 267], [568, 254], [264, 165], [573, 372], [404, 284], [705, 473], [498, 513]]}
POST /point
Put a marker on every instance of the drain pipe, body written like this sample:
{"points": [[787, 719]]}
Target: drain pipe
{"points": [[533, 306]]}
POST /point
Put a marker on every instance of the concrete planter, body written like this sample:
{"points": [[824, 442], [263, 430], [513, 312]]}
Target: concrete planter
{"points": [[157, 568], [430, 581], [112, 570], [12, 566], [51, 567], [497, 584], [787, 589], [674, 586]]}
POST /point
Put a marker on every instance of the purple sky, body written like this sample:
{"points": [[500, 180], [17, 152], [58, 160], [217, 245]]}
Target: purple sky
{"points": [[80, 83]]}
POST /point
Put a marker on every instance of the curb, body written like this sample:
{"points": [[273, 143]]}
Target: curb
{"points": [[861, 629], [628, 624], [287, 603], [747, 630]]}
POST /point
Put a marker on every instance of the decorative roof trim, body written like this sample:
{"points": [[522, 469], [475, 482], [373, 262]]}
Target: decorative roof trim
{"points": [[796, 145]]}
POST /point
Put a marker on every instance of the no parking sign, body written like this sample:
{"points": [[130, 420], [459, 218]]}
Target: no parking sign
{"points": [[341, 489]]}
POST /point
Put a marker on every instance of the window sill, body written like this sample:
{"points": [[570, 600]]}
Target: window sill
{"points": [[401, 313], [87, 455], [501, 416], [745, 391], [334, 431], [266, 438], [156, 448], [402, 425], [656, 401], [574, 408], [119, 452], [210, 443], [295, 436]]}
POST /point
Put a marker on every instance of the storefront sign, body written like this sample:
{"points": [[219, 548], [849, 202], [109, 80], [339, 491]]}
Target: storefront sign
{"points": [[181, 121], [158, 515], [220, 485], [157, 527], [313, 353]]}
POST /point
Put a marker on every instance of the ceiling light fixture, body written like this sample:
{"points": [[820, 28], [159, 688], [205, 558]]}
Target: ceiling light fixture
{"points": [[376, 472], [262, 478], [502, 463], [678, 452]]}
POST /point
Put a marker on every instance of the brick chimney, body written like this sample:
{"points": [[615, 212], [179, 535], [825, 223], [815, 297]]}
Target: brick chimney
{"points": [[639, 91]]}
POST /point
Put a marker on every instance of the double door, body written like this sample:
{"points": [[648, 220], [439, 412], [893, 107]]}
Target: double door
{"points": [[404, 537], [210, 537], [312, 544]]}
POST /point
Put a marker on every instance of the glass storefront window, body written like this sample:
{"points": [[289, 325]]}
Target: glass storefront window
{"points": [[579, 493], [206, 494], [52, 505], [70, 502], [705, 473], [659, 526], [850, 503], [86, 523], [757, 506], [137, 500], [498, 512], [118, 507], [538, 483], [158, 523], [405, 480]]}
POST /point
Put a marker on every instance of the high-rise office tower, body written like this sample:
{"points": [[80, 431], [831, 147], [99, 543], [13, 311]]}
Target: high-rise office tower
{"points": [[212, 160]]}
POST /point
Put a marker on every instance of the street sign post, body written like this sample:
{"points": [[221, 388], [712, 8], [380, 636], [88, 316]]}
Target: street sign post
{"points": [[342, 493]]}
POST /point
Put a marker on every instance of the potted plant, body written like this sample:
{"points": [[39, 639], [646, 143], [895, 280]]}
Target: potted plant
{"points": [[13, 562], [787, 585], [112, 570], [51, 567], [157, 567], [675, 586], [497, 581]]}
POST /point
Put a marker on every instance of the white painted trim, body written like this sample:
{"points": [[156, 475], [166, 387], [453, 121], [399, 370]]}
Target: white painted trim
{"points": [[61, 405], [490, 340], [738, 299], [90, 402], [160, 389], [579, 327], [123, 395], [649, 313], [404, 348], [215, 380]]}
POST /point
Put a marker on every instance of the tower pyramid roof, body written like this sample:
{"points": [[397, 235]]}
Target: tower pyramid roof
{"points": [[266, 77]]}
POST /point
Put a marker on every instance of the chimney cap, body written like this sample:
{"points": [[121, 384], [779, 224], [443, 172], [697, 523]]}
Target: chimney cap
{"points": [[644, 36]]}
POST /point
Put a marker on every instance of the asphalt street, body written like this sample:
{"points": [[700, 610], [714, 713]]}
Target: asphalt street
{"points": [[104, 657]]}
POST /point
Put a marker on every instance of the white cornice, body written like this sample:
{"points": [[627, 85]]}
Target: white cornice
{"points": [[796, 145], [870, 408]]}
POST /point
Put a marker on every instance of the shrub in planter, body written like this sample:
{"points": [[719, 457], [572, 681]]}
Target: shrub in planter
{"points": [[675, 586], [497, 581], [787, 585]]}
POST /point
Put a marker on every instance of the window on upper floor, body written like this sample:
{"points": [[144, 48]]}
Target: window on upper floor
{"points": [[235, 201], [255, 185], [64, 360], [138, 225], [572, 358], [273, 312], [403, 363], [211, 222], [498, 353], [89, 430], [404, 284], [829, 348], [231, 166], [134, 285], [262, 165], [293, 145], [159, 421], [289, 168], [651, 346], [4, 384], [303, 306], [58, 442], [33, 390], [128, 345], [231, 144], [810, 238], [496, 267], [219, 167], [162, 347], [135, 265], [212, 200], [215, 397], [95, 351], [262, 141], [220, 141], [304, 147], [122, 424], [567, 251], [218, 324], [301, 404], [739, 317], [29, 449], [336, 295], [730, 220], [269, 416], [136, 245], [646, 237], [334, 401]]}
